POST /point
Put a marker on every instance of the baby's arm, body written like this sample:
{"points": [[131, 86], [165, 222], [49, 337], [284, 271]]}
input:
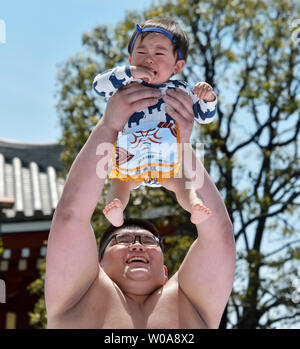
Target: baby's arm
{"points": [[109, 82], [204, 91], [205, 102], [142, 73]]}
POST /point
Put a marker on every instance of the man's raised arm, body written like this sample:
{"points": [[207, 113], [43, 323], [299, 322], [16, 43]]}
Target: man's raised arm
{"points": [[72, 257], [72, 262], [207, 272]]}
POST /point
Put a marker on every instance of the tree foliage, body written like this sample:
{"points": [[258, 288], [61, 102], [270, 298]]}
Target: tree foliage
{"points": [[38, 317], [244, 49]]}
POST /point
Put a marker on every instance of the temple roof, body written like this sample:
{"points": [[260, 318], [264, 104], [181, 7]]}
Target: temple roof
{"points": [[29, 174]]}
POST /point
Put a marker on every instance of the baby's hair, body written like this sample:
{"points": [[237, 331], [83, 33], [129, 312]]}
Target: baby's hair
{"points": [[170, 26]]}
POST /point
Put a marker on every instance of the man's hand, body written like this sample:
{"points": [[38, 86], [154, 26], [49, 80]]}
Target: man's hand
{"points": [[204, 91], [127, 101], [142, 73], [180, 108]]}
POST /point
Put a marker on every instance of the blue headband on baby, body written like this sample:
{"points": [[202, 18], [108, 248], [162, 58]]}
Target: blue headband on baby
{"points": [[157, 30]]}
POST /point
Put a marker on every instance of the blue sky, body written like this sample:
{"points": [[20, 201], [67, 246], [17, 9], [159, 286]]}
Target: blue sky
{"points": [[40, 35]]}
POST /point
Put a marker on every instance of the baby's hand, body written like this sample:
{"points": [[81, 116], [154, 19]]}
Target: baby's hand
{"points": [[142, 73], [204, 91]]}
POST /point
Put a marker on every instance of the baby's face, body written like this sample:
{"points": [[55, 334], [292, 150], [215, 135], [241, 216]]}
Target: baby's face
{"points": [[156, 52]]}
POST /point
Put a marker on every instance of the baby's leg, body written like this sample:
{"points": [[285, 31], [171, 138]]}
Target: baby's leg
{"points": [[117, 199], [188, 199]]}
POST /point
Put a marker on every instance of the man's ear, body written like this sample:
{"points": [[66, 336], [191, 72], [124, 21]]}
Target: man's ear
{"points": [[166, 273], [178, 66]]}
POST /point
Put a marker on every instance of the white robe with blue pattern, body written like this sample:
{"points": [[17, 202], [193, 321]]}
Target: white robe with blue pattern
{"points": [[108, 83]]}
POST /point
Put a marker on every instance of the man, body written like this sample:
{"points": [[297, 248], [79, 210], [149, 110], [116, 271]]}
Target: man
{"points": [[129, 288]]}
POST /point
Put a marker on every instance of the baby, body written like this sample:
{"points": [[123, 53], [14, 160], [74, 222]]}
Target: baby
{"points": [[157, 50]]}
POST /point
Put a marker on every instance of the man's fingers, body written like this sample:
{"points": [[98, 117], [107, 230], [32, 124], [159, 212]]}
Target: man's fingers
{"points": [[182, 97], [185, 126], [143, 94], [177, 116], [180, 108], [173, 114], [138, 97], [136, 87], [144, 103], [138, 92], [180, 102]]}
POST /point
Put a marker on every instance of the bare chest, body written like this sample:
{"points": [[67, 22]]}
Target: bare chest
{"points": [[167, 309]]}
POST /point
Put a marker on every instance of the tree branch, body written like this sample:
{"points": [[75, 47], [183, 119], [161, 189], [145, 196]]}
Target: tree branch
{"points": [[282, 248]]}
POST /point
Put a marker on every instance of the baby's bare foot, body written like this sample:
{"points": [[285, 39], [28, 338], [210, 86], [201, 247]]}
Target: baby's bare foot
{"points": [[199, 213], [114, 212]]}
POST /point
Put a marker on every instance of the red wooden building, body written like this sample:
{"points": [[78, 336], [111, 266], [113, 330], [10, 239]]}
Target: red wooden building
{"points": [[29, 178]]}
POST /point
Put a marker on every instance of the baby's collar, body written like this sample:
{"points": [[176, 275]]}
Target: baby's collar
{"points": [[151, 85]]}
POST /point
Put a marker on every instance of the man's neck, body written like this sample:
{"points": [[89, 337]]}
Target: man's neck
{"points": [[138, 300]]}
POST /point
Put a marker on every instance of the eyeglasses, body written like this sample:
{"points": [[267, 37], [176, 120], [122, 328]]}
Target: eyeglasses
{"points": [[128, 239]]}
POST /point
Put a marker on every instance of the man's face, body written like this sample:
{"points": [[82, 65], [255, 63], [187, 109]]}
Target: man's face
{"points": [[135, 268], [156, 52]]}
